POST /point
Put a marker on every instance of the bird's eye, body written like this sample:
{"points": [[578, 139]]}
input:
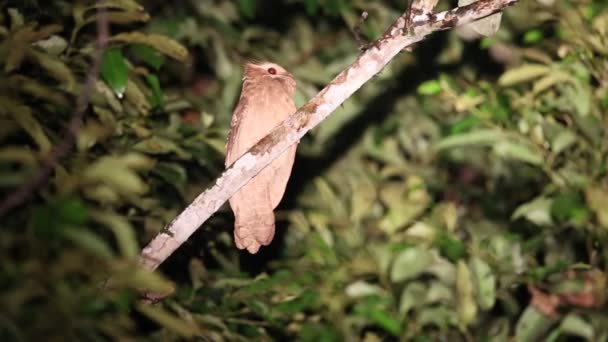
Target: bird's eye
{"points": [[272, 71]]}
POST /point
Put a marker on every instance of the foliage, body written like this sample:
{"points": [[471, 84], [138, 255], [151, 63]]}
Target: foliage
{"points": [[460, 195]]}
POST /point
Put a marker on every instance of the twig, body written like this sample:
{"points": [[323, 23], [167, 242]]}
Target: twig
{"points": [[290, 131], [361, 41], [25, 191]]}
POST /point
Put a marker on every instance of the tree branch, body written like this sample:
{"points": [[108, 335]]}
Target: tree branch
{"points": [[368, 64]]}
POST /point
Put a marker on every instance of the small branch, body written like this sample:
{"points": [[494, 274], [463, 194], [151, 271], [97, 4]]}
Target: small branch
{"points": [[23, 193], [290, 131], [361, 41]]}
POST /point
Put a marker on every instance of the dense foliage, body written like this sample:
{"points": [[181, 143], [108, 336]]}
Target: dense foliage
{"points": [[460, 195]]}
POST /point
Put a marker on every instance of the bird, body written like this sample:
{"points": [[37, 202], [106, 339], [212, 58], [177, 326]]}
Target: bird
{"points": [[266, 100]]}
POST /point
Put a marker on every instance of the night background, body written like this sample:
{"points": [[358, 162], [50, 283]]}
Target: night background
{"points": [[460, 195]]}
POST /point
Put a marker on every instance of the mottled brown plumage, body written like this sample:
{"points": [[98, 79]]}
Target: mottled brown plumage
{"points": [[266, 100]]}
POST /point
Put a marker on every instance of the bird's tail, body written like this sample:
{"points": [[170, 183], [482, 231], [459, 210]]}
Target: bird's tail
{"points": [[252, 232]]}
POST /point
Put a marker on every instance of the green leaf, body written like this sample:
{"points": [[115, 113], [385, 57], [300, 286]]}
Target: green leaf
{"points": [[413, 296], [517, 151], [157, 98], [312, 6], [562, 141], [59, 215], [375, 309], [410, 263], [148, 55], [161, 145], [467, 308], [172, 173], [478, 137], [303, 302], [465, 124], [24, 117], [533, 36], [89, 241], [485, 283], [532, 325], [450, 248], [247, 7], [159, 42], [122, 229], [537, 211], [115, 71], [523, 74], [575, 325], [317, 332], [118, 174], [55, 68], [570, 207], [431, 87], [185, 328]]}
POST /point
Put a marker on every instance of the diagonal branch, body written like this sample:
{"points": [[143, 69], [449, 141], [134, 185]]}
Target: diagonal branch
{"points": [[368, 64]]}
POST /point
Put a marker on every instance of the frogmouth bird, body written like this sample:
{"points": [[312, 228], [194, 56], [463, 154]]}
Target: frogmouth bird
{"points": [[266, 100]]}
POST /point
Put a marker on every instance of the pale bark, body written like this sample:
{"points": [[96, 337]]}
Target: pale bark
{"points": [[368, 64]]}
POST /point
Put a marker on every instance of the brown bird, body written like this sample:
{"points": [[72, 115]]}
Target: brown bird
{"points": [[266, 100]]}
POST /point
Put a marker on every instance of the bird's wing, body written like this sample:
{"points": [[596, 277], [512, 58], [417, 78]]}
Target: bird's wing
{"points": [[232, 152]]}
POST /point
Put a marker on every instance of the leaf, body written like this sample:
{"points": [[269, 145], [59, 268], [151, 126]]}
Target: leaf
{"points": [[115, 71], [532, 325], [161, 145], [184, 328], [18, 154], [123, 12], [89, 241], [122, 229], [410, 263], [523, 74], [562, 141], [537, 211], [569, 207], [38, 90], [464, 125], [362, 288], [596, 197], [247, 8], [467, 308], [533, 36], [477, 137], [52, 220], [413, 296], [574, 325], [116, 173], [487, 26], [53, 45], [148, 55], [134, 95], [485, 283], [24, 117], [450, 248], [431, 87], [305, 301], [160, 43], [312, 6], [20, 40], [55, 68], [550, 80], [172, 173], [374, 308], [517, 151], [157, 98]]}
